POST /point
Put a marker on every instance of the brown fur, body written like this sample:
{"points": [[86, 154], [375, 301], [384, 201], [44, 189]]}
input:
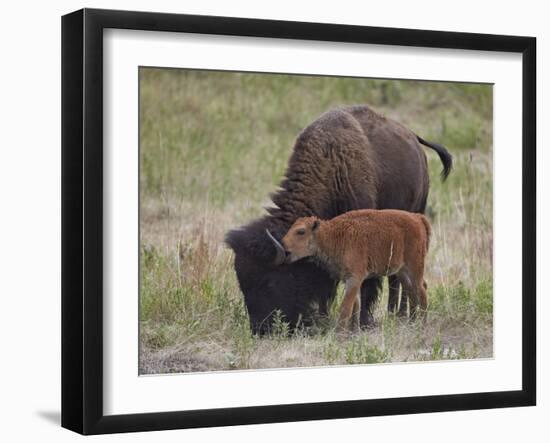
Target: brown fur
{"points": [[353, 158], [348, 158], [365, 243]]}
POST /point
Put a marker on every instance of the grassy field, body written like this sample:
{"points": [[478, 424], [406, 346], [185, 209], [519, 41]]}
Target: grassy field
{"points": [[214, 145]]}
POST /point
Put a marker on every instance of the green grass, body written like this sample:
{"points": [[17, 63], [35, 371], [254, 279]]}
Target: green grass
{"points": [[213, 146]]}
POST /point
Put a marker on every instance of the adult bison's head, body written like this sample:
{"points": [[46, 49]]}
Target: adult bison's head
{"points": [[298, 291]]}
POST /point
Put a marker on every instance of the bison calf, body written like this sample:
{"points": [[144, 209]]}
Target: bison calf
{"points": [[365, 243]]}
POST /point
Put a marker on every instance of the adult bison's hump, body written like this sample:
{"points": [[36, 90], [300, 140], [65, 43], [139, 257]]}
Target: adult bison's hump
{"points": [[350, 158]]}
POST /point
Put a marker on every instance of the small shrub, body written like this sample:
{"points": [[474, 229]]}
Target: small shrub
{"points": [[437, 348], [280, 328], [361, 352], [332, 351]]}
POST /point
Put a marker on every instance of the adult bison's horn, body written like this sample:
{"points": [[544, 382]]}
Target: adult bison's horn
{"points": [[281, 253]]}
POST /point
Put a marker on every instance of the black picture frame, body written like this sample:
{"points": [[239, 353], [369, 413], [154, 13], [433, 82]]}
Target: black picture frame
{"points": [[82, 220]]}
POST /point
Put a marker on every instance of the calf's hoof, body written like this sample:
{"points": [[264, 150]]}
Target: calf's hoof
{"points": [[343, 330]]}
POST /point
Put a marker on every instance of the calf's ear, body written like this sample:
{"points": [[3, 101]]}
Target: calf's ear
{"points": [[315, 225]]}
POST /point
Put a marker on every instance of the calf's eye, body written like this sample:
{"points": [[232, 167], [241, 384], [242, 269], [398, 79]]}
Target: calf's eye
{"points": [[300, 232]]}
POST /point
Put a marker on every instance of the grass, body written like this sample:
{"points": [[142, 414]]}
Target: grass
{"points": [[214, 145]]}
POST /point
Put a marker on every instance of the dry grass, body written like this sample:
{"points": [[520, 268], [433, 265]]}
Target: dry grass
{"points": [[213, 145]]}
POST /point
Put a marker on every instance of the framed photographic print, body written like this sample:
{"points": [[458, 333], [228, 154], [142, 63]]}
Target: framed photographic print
{"points": [[269, 221]]}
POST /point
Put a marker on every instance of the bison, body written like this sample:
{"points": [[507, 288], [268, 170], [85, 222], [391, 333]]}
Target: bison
{"points": [[363, 243], [348, 158]]}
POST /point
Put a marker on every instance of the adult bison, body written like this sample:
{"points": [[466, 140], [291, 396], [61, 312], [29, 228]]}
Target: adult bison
{"points": [[349, 158]]}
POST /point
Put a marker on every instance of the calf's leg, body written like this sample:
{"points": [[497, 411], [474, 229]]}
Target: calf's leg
{"points": [[351, 303], [355, 316], [422, 290], [418, 285]]}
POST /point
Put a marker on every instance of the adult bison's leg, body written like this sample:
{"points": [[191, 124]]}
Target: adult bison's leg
{"points": [[369, 295], [394, 304], [325, 304], [403, 304], [410, 292], [393, 299]]}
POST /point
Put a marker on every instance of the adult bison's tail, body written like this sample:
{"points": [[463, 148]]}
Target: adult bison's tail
{"points": [[446, 158]]}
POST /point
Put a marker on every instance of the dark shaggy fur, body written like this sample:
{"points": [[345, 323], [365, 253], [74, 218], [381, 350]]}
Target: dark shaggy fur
{"points": [[349, 158]]}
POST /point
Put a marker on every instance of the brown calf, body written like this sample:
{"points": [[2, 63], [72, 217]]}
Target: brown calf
{"points": [[363, 243]]}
